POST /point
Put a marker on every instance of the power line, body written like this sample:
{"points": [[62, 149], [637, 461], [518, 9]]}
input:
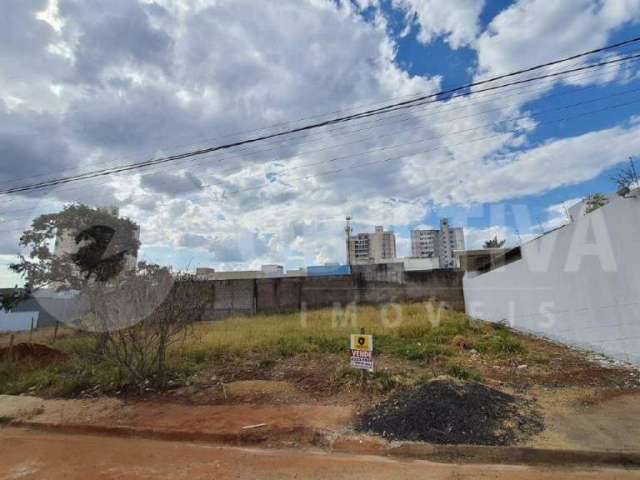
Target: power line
{"points": [[392, 107], [340, 170], [382, 121], [412, 154], [422, 140], [351, 108], [393, 146]]}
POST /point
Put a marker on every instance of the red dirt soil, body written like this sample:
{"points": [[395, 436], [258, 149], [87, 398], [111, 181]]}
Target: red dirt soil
{"points": [[32, 352], [37, 455]]}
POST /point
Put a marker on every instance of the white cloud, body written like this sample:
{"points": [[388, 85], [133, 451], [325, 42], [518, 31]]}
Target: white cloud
{"points": [[537, 31], [7, 277], [150, 79], [474, 238], [458, 21], [556, 163]]}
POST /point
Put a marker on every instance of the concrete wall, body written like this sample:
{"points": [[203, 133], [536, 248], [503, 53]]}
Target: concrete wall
{"points": [[579, 284], [230, 297], [380, 272]]}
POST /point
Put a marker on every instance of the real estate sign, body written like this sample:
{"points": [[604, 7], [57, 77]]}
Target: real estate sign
{"points": [[362, 352]]}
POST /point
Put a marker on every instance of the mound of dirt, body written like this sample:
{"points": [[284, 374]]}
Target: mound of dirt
{"points": [[32, 352], [446, 411]]}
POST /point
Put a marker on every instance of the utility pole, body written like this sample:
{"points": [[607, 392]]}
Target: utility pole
{"points": [[347, 231]]}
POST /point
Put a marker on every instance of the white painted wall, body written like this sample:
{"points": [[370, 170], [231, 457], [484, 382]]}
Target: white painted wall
{"points": [[579, 284], [412, 263]]}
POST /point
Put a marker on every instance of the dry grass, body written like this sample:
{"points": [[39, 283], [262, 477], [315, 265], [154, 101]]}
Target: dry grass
{"points": [[417, 337], [328, 330]]}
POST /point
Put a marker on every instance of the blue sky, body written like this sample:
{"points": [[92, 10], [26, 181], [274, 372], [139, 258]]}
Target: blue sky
{"points": [[103, 84], [458, 66]]}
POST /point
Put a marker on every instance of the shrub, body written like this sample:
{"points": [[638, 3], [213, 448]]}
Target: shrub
{"points": [[462, 373], [463, 343], [503, 343]]}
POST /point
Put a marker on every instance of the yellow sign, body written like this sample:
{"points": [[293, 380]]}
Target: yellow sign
{"points": [[362, 343]]}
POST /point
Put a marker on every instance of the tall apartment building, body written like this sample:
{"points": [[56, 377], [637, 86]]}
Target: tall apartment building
{"points": [[372, 247], [438, 244]]}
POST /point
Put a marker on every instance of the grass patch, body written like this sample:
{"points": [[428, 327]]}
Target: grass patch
{"points": [[502, 343], [327, 331], [430, 340], [462, 373]]}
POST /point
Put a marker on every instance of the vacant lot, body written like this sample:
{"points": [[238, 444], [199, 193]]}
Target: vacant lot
{"points": [[303, 359], [413, 342]]}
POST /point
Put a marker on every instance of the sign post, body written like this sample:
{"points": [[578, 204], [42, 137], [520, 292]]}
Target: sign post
{"points": [[362, 351]]}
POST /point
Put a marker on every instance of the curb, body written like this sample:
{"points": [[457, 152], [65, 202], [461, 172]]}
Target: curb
{"points": [[361, 445], [485, 454], [269, 437]]}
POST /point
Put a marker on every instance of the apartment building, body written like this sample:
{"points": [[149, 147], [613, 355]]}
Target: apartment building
{"points": [[372, 247], [439, 244]]}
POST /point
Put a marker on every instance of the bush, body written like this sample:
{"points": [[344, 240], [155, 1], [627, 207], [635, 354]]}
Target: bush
{"points": [[462, 373], [503, 343], [463, 343]]}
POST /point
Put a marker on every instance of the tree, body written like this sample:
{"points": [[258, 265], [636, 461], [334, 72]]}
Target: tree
{"points": [[99, 244], [142, 316], [135, 314], [595, 201], [494, 243], [626, 178]]}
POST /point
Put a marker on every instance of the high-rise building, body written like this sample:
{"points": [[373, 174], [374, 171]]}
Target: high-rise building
{"points": [[372, 247], [438, 244]]}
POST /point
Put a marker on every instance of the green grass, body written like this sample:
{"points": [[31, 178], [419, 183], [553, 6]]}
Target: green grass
{"points": [[325, 331], [414, 333], [503, 343], [462, 373]]}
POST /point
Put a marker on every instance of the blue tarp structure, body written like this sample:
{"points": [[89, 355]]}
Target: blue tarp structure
{"points": [[328, 270]]}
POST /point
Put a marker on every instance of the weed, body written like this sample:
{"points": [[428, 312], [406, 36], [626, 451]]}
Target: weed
{"points": [[462, 342], [462, 373], [413, 331], [502, 343]]}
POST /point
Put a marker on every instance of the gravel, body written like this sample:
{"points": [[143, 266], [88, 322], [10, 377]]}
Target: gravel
{"points": [[447, 411]]}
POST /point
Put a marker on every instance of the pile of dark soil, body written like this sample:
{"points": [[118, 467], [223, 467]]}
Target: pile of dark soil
{"points": [[446, 411], [32, 353]]}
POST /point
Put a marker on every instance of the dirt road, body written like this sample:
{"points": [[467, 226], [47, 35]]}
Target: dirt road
{"points": [[36, 455]]}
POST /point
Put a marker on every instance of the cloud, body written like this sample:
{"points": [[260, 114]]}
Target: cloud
{"points": [[113, 83], [457, 21], [474, 238], [124, 37], [7, 277], [31, 143], [553, 164], [172, 184], [530, 32]]}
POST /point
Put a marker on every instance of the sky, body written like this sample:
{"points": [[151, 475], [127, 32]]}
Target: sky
{"points": [[87, 84]]}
